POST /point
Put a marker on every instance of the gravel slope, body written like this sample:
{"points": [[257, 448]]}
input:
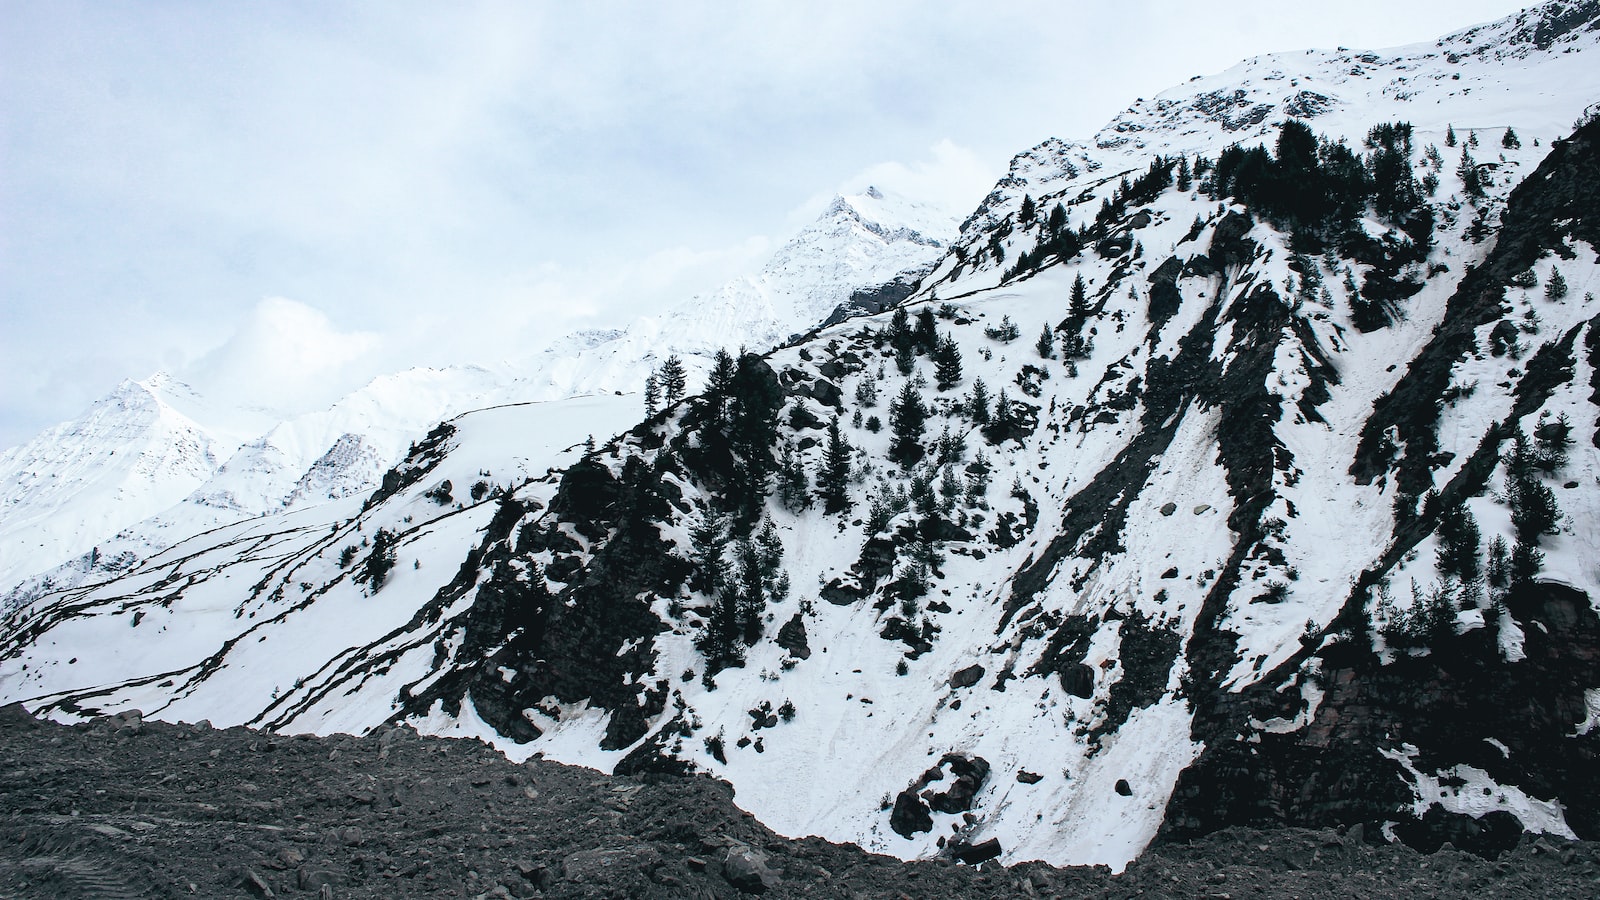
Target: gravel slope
{"points": [[120, 808]]}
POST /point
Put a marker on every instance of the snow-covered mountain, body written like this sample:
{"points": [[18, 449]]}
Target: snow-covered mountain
{"points": [[154, 462], [859, 242], [1198, 484], [137, 451]]}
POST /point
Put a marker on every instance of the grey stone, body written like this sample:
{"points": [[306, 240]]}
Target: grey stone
{"points": [[605, 866], [256, 885], [967, 677], [746, 869]]}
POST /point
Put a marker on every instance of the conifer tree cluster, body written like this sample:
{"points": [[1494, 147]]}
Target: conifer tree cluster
{"points": [[1318, 189], [741, 575]]}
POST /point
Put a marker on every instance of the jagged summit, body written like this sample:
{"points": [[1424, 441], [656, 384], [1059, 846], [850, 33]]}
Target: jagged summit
{"points": [[1476, 78]]}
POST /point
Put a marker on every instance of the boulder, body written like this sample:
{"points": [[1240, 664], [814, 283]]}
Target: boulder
{"points": [[1078, 680], [967, 677], [825, 392], [746, 869], [792, 637], [910, 814], [611, 866], [972, 854]]}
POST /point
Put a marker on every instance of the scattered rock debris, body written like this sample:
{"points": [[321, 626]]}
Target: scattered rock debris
{"points": [[101, 810]]}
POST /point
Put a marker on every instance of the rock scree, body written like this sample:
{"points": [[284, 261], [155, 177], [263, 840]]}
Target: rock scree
{"points": [[126, 807]]}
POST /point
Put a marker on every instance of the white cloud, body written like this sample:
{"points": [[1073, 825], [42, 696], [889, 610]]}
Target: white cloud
{"points": [[287, 358], [950, 177], [423, 169]]}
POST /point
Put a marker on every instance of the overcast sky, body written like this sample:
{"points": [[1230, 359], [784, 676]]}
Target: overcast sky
{"points": [[323, 191]]}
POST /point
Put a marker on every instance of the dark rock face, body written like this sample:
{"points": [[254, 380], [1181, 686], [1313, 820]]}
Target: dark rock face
{"points": [[1451, 711], [1454, 705], [1164, 298], [868, 301]]}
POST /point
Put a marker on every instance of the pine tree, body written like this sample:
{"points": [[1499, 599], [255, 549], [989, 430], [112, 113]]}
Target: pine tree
{"points": [[1533, 508], [381, 559], [1005, 332], [1046, 343], [1002, 422], [878, 515], [907, 421], [1078, 305], [835, 478], [1556, 287], [899, 331], [719, 385], [673, 379], [1185, 179], [1509, 140], [904, 359], [951, 447], [719, 637], [947, 364], [1026, 215], [652, 395], [1526, 561], [1471, 178], [707, 544], [1450, 136], [925, 337], [1472, 139], [950, 489], [752, 602], [978, 402], [793, 483], [1058, 219], [1551, 440], [1497, 569], [1458, 544], [867, 393]]}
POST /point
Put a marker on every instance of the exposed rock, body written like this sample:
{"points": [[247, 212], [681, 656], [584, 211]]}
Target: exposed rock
{"points": [[792, 637], [615, 865], [1078, 680], [973, 854], [910, 815], [747, 870], [965, 678], [971, 772], [453, 842]]}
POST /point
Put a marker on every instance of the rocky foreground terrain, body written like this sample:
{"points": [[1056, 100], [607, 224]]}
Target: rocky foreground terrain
{"points": [[121, 808]]}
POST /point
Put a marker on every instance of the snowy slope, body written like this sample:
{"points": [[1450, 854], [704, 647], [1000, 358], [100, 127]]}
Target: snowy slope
{"points": [[1194, 572], [280, 582]]}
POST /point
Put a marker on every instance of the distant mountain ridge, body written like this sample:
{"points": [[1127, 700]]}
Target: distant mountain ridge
{"points": [[67, 491]]}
